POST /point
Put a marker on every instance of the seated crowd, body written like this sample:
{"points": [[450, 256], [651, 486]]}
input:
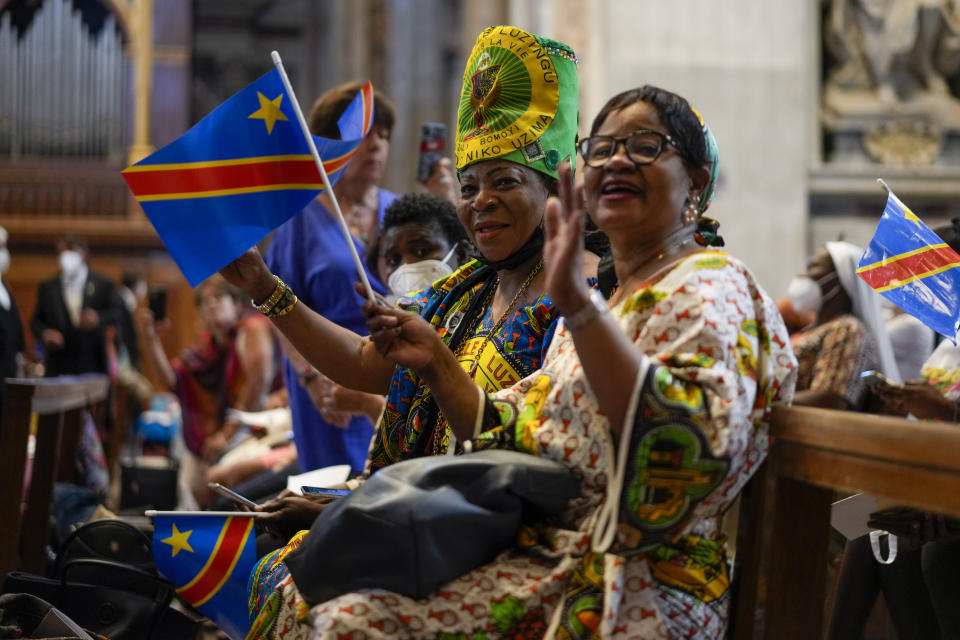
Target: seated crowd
{"points": [[647, 367]]}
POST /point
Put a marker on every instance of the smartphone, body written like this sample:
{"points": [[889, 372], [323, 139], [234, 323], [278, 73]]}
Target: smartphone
{"points": [[875, 378], [233, 495], [157, 299], [323, 491], [433, 142]]}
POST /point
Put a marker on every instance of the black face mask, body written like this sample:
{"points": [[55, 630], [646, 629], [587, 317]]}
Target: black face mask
{"points": [[532, 247]]}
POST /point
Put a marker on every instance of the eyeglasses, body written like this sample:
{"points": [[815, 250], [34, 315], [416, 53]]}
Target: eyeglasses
{"points": [[643, 147]]}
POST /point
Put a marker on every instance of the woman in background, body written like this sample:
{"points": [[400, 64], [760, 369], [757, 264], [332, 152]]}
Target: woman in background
{"points": [[848, 337], [309, 253], [234, 364]]}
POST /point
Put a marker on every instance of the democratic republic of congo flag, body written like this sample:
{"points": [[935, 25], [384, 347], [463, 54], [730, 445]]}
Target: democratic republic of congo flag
{"points": [[239, 173], [913, 267], [208, 558]]}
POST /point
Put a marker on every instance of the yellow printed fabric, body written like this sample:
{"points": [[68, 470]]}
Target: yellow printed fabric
{"points": [[410, 426], [493, 372]]}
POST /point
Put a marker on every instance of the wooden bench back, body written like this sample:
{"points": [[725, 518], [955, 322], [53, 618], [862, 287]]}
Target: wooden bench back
{"points": [[59, 404]]}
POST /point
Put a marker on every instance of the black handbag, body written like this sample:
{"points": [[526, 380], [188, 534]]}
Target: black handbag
{"points": [[105, 580], [113, 599], [113, 540], [24, 615], [420, 523]]}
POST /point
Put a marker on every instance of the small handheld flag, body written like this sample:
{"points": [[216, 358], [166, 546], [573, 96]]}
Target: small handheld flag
{"points": [[239, 173], [208, 557], [910, 265]]}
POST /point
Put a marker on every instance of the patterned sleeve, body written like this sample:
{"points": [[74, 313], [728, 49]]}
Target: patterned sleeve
{"points": [[720, 359], [511, 417]]}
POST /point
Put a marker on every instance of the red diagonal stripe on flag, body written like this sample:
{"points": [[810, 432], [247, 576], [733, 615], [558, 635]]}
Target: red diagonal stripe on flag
{"points": [[367, 92], [212, 576], [910, 267], [145, 182]]}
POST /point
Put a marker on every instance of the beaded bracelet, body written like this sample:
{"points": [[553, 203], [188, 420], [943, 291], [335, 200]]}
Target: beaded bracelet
{"points": [[280, 302], [286, 304]]}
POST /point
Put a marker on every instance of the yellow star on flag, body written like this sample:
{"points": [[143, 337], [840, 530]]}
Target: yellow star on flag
{"points": [[910, 215], [179, 540], [269, 111]]}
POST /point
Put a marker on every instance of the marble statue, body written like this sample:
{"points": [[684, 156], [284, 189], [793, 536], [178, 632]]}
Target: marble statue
{"points": [[894, 63]]}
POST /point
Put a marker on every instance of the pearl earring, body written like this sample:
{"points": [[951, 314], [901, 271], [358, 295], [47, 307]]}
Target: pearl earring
{"points": [[690, 213]]}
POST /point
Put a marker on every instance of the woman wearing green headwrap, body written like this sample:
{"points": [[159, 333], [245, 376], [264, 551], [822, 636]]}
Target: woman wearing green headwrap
{"points": [[658, 401], [517, 124]]}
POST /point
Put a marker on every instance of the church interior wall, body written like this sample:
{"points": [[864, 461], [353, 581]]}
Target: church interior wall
{"points": [[753, 69]]}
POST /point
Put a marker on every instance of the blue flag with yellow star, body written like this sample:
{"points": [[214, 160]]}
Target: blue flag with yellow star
{"points": [[208, 558], [239, 173], [910, 265]]}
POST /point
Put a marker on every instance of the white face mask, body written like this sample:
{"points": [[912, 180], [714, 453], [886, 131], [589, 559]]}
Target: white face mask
{"points": [[70, 262], [417, 275], [805, 293], [4, 260]]}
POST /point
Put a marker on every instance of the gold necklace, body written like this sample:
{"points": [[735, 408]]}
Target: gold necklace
{"points": [[439, 428], [673, 251]]}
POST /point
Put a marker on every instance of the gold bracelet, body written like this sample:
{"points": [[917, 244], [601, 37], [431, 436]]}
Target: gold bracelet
{"points": [[288, 300], [274, 297]]}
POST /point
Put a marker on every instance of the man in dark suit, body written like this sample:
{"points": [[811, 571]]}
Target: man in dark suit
{"points": [[11, 330], [72, 313]]}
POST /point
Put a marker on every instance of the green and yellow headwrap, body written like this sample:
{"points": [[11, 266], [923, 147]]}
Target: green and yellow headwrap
{"points": [[519, 101], [706, 233]]}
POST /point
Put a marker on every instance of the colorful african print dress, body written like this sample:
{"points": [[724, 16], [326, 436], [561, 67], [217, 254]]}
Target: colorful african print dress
{"points": [[720, 360], [515, 351]]}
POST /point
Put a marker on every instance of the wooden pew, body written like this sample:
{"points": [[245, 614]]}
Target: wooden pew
{"points": [[815, 451], [59, 404]]}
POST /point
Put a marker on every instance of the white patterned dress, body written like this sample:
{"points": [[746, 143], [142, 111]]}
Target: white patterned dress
{"points": [[719, 360]]}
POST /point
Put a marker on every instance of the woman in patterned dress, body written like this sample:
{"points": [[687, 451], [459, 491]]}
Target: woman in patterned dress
{"points": [[674, 378]]}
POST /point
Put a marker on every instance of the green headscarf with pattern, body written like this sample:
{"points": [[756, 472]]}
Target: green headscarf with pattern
{"points": [[518, 102]]}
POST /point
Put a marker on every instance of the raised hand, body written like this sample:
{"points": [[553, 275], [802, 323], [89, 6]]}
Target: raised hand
{"points": [[250, 273], [440, 183], [563, 247], [402, 337]]}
